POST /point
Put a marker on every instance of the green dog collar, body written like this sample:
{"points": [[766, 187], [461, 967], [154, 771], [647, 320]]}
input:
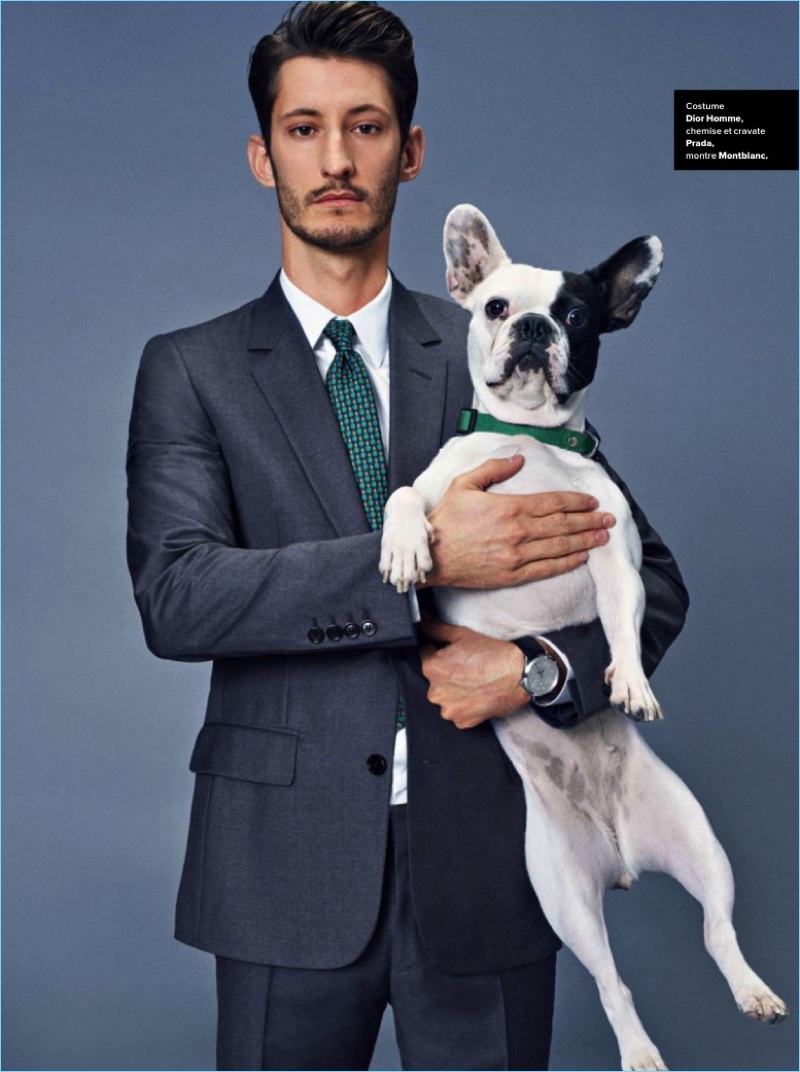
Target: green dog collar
{"points": [[470, 420]]}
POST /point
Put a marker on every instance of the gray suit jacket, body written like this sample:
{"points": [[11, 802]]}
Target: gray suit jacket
{"points": [[247, 540]]}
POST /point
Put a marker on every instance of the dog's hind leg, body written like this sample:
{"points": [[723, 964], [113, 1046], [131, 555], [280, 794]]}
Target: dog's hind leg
{"points": [[568, 871], [668, 831], [620, 606]]}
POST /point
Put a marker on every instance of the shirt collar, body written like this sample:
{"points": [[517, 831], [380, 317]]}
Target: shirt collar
{"points": [[371, 322]]}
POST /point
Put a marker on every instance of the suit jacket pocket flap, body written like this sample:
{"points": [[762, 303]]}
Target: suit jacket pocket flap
{"points": [[248, 753]]}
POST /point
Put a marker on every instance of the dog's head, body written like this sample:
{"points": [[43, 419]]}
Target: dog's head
{"points": [[535, 334]]}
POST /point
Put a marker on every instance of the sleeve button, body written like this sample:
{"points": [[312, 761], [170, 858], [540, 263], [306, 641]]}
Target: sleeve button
{"points": [[369, 628], [316, 635], [335, 632], [351, 631]]}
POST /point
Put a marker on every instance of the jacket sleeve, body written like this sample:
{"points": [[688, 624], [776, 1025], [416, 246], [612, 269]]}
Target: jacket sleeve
{"points": [[585, 646], [200, 594]]}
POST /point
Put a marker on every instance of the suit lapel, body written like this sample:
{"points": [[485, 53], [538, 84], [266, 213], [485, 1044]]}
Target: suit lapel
{"points": [[417, 390], [283, 366]]}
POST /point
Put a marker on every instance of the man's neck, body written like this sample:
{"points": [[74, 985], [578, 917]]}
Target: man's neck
{"points": [[343, 282]]}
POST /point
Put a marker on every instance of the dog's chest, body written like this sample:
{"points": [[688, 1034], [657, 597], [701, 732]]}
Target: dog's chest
{"points": [[543, 605], [551, 469], [546, 468]]}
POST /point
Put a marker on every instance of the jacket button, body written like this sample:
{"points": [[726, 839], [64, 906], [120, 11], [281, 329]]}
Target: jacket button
{"points": [[351, 631], [335, 632], [369, 628], [376, 764], [316, 635]]}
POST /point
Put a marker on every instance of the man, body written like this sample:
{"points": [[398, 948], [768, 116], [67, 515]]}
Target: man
{"points": [[351, 844]]}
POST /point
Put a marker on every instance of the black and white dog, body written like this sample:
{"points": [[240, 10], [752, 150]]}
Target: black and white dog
{"points": [[615, 809]]}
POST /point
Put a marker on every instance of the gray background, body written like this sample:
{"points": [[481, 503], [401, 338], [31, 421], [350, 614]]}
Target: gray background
{"points": [[129, 210]]}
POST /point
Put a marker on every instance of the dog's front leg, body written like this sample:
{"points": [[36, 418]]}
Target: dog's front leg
{"points": [[620, 605], [405, 546], [407, 533]]}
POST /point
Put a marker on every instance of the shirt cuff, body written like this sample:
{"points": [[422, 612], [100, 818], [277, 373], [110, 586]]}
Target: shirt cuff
{"points": [[416, 617]]}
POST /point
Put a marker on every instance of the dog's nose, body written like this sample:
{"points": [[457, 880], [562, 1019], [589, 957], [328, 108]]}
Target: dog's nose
{"points": [[532, 327]]}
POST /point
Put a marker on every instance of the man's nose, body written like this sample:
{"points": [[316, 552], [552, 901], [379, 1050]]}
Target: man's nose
{"points": [[337, 161]]}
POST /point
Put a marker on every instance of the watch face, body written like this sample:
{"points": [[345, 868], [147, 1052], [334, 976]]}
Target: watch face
{"points": [[541, 676]]}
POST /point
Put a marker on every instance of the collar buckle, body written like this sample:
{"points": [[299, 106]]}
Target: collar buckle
{"points": [[592, 449], [467, 419]]}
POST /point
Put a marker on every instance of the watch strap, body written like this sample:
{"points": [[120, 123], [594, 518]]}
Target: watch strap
{"points": [[530, 647]]}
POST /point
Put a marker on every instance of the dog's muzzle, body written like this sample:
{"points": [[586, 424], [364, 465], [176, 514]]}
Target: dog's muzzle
{"points": [[533, 338], [533, 335]]}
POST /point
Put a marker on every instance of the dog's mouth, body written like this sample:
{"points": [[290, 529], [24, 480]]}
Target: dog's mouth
{"points": [[525, 358]]}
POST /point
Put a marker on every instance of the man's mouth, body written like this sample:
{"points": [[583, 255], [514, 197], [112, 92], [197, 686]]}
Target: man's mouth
{"points": [[338, 197]]}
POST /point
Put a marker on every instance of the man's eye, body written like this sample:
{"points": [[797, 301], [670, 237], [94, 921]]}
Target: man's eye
{"points": [[367, 128], [303, 131], [496, 308]]}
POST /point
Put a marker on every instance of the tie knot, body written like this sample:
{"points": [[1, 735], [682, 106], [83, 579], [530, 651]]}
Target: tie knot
{"points": [[340, 332]]}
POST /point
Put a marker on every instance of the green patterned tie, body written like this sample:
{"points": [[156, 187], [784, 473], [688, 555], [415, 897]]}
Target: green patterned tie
{"points": [[350, 390], [353, 401]]}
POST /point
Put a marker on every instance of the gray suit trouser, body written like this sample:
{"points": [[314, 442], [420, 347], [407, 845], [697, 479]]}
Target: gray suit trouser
{"points": [[287, 1018]]}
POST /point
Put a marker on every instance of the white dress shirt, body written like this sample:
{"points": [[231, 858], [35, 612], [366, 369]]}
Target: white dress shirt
{"points": [[371, 339]]}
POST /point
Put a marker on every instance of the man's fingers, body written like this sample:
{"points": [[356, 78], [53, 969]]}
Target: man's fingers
{"points": [[568, 524], [561, 511], [559, 504], [491, 472], [559, 547], [540, 569]]}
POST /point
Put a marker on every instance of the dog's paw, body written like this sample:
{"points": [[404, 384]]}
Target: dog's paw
{"points": [[631, 693], [762, 1005], [643, 1059], [407, 534], [405, 554]]}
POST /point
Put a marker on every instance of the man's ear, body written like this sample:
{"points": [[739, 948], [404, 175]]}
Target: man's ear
{"points": [[626, 278], [471, 250], [259, 160], [412, 155]]}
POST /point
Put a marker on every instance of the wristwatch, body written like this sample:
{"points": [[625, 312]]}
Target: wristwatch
{"points": [[542, 677]]}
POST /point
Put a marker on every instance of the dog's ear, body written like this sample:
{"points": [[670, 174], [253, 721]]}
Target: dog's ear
{"points": [[471, 250], [626, 278]]}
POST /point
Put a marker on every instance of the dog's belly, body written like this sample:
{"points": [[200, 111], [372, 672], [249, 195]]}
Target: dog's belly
{"points": [[543, 605], [578, 778], [539, 607]]}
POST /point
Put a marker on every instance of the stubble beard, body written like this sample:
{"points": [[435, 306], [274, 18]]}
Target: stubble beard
{"points": [[336, 236]]}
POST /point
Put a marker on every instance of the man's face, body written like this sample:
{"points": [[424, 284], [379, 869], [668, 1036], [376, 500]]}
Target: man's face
{"points": [[335, 155]]}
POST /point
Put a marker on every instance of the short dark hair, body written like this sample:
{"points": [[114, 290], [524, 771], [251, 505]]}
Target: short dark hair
{"points": [[355, 30]]}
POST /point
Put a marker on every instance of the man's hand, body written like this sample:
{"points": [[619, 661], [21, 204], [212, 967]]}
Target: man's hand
{"points": [[497, 541], [472, 677]]}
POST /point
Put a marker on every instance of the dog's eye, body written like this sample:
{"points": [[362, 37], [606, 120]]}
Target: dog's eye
{"points": [[575, 318], [496, 308]]}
